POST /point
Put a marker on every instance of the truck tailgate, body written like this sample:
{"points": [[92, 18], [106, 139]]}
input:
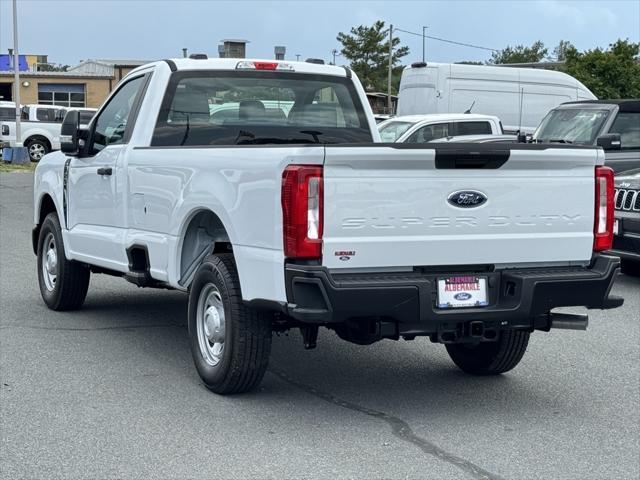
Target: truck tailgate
{"points": [[396, 206]]}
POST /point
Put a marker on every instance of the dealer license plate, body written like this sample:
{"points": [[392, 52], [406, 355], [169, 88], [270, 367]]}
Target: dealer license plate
{"points": [[462, 291]]}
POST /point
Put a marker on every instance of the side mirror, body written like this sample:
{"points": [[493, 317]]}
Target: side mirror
{"points": [[609, 141], [69, 141]]}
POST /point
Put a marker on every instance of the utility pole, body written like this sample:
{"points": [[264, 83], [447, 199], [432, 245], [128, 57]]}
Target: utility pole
{"points": [[424, 38], [297, 57], [335, 52], [16, 73], [390, 70]]}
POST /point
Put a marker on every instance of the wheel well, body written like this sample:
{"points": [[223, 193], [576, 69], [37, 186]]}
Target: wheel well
{"points": [[39, 137], [204, 234], [46, 207]]}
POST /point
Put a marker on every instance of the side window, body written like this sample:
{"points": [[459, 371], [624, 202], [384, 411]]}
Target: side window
{"points": [[429, 132], [627, 124], [111, 125], [45, 114], [7, 113], [473, 128]]}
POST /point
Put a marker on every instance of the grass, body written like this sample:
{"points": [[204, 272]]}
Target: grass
{"points": [[9, 167]]}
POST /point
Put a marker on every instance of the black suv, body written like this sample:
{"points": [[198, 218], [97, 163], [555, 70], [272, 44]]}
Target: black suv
{"points": [[626, 241], [613, 125]]}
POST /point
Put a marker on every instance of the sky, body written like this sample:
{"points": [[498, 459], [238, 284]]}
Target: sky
{"points": [[69, 31]]}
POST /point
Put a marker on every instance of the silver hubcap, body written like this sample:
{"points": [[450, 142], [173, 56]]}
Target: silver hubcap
{"points": [[211, 324], [36, 151], [50, 262]]}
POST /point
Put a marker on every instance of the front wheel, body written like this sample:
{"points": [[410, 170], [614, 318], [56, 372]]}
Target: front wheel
{"points": [[230, 342], [63, 283], [490, 358]]}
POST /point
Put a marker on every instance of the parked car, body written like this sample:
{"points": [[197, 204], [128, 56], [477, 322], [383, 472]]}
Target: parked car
{"points": [[39, 128], [478, 139], [308, 221], [626, 241], [425, 128], [520, 97], [613, 125]]}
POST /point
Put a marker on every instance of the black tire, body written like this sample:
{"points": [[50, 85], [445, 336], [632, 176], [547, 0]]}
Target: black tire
{"points": [[630, 267], [490, 358], [246, 333], [69, 288], [37, 147]]}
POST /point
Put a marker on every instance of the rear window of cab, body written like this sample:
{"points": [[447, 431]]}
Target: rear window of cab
{"points": [[259, 108]]}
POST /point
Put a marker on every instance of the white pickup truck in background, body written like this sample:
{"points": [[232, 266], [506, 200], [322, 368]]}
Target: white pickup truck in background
{"points": [[40, 128], [426, 128], [276, 218]]}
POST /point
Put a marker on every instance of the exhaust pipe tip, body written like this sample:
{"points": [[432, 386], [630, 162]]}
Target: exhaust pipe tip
{"points": [[569, 321]]}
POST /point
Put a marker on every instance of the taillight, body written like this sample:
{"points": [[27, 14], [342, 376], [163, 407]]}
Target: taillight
{"points": [[302, 211], [603, 225]]}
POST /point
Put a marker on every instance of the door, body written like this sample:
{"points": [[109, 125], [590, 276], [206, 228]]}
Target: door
{"points": [[96, 217]]}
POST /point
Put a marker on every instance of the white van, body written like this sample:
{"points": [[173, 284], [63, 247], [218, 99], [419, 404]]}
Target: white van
{"points": [[520, 97]]}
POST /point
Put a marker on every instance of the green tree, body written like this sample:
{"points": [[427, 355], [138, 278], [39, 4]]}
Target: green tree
{"points": [[560, 52], [52, 67], [520, 54], [367, 48], [611, 73]]}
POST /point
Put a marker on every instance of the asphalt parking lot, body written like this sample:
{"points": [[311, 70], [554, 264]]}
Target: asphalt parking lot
{"points": [[110, 392]]}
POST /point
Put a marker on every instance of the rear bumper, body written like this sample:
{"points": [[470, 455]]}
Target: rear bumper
{"points": [[517, 298]]}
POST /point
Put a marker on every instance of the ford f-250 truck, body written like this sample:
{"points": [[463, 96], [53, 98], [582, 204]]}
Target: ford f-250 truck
{"points": [[274, 218]]}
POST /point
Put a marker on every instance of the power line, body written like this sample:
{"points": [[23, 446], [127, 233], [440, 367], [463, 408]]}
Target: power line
{"points": [[447, 41]]}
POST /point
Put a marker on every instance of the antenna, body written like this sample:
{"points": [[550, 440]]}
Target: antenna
{"points": [[469, 109]]}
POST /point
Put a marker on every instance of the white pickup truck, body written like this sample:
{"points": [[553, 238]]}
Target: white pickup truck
{"points": [[40, 128], [274, 218]]}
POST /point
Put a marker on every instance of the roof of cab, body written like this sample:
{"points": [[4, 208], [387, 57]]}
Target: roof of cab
{"points": [[630, 105], [182, 64]]}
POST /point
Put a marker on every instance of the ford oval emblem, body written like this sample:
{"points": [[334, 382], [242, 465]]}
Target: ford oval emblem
{"points": [[462, 296], [467, 199]]}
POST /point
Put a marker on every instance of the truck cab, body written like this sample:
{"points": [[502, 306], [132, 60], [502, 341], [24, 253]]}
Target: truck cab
{"points": [[613, 125]]}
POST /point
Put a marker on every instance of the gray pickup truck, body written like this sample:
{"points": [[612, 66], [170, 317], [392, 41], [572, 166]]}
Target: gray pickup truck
{"points": [[613, 125]]}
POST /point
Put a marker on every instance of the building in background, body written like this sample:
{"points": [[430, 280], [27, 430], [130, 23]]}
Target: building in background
{"points": [[280, 52], [107, 67], [85, 85], [379, 105], [57, 88], [27, 63], [233, 48]]}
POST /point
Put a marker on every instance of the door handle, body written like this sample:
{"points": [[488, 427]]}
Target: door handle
{"points": [[105, 171]]}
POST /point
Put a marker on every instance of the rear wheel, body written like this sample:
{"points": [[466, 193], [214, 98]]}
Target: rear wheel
{"points": [[37, 148], [490, 358], [230, 342], [63, 283]]}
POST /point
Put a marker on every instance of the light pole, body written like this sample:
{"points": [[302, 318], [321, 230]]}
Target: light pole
{"points": [[297, 57], [424, 37], [390, 69], [16, 73], [335, 52]]}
